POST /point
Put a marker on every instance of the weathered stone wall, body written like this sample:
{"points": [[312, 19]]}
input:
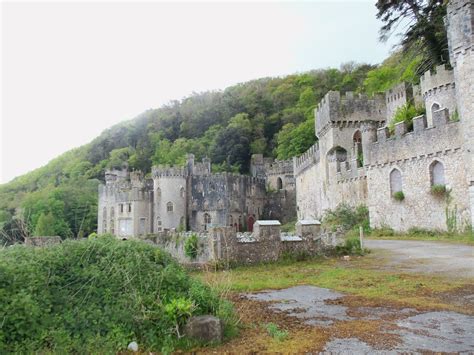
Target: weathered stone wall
{"points": [[438, 91], [412, 154], [460, 26], [227, 199]]}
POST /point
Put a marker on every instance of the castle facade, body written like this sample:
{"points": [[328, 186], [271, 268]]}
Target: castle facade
{"points": [[409, 176]]}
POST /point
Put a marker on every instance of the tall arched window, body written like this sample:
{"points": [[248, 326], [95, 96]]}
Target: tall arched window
{"points": [[158, 193], [357, 141], [112, 221], [395, 181], [169, 207], [207, 220], [279, 184], [104, 220], [181, 192], [437, 173]]}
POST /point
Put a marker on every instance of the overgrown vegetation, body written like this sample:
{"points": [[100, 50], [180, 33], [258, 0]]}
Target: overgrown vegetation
{"points": [[406, 113], [347, 217], [398, 196], [275, 332], [438, 190], [96, 296], [191, 246], [415, 233]]}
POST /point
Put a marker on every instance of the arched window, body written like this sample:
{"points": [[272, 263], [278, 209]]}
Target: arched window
{"points": [[395, 181], [181, 192], [279, 184], [435, 107], [158, 224], [437, 173], [357, 141], [207, 220], [112, 221], [158, 193], [169, 207], [104, 220]]}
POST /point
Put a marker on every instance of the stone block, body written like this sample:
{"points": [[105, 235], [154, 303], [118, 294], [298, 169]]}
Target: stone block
{"points": [[204, 328], [400, 129], [440, 117], [382, 134], [419, 123]]}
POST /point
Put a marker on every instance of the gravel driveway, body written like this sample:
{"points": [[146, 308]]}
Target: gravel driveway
{"points": [[425, 256]]}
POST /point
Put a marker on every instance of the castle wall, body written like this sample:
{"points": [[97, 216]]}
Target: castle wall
{"points": [[438, 91], [396, 97], [412, 154], [460, 27]]}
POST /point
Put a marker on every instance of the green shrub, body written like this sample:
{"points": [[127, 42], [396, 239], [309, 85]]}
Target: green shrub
{"points": [[276, 333], [96, 296], [406, 113], [351, 246], [398, 195], [382, 232], [93, 235], [191, 246], [416, 231], [347, 217], [438, 190]]}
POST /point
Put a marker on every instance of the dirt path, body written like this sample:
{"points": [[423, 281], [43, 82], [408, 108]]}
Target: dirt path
{"points": [[424, 256]]}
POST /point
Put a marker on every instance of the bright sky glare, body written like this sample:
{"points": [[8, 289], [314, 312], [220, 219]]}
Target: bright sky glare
{"points": [[71, 70]]}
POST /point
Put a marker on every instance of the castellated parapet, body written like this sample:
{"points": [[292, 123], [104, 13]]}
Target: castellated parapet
{"points": [[168, 171], [396, 97], [438, 91], [336, 108]]}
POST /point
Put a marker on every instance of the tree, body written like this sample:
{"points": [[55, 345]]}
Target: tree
{"points": [[45, 225], [425, 27]]}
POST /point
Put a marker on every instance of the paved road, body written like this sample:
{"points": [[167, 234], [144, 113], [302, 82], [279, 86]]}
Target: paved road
{"points": [[425, 256]]}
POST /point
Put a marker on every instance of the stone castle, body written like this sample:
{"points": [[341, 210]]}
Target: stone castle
{"points": [[420, 176]]}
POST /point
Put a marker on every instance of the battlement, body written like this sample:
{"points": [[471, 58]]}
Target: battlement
{"points": [[348, 107], [444, 135], [307, 159], [162, 171], [348, 170], [431, 82], [279, 167]]}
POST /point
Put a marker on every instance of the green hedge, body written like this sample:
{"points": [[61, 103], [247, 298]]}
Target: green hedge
{"points": [[95, 295]]}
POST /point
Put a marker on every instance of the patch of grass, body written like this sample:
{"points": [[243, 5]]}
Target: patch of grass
{"points": [[438, 190], [275, 332], [423, 234], [398, 196], [289, 227], [359, 277]]}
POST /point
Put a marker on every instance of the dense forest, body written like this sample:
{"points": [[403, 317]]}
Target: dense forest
{"points": [[272, 116]]}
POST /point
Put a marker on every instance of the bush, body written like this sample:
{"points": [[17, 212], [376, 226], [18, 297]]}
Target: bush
{"points": [[398, 196], [382, 232], [96, 296], [191, 246], [347, 217], [351, 246], [406, 113]]}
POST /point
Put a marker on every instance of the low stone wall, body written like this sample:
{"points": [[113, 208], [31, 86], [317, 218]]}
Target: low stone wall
{"points": [[265, 244], [42, 241]]}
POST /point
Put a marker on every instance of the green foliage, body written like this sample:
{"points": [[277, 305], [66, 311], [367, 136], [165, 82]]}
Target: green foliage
{"points": [[275, 332], [96, 296], [406, 113], [191, 246], [398, 196], [438, 190], [295, 140], [347, 217], [45, 225], [351, 246], [384, 231]]}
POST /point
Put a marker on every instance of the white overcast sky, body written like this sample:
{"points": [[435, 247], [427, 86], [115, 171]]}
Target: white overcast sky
{"points": [[71, 70]]}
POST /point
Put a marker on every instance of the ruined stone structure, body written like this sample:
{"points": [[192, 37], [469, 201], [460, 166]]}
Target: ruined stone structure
{"points": [[357, 160], [192, 198], [420, 176]]}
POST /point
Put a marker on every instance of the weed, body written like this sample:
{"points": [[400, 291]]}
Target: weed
{"points": [[191, 246], [398, 196], [275, 332], [438, 190]]}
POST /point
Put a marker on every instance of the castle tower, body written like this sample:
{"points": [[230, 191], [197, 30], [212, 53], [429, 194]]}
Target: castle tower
{"points": [[170, 201], [460, 28]]}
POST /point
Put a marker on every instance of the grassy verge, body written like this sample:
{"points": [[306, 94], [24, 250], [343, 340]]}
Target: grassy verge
{"points": [[358, 277], [420, 234]]}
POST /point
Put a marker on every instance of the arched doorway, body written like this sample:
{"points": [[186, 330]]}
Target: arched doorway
{"points": [[250, 222], [357, 141], [279, 183]]}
